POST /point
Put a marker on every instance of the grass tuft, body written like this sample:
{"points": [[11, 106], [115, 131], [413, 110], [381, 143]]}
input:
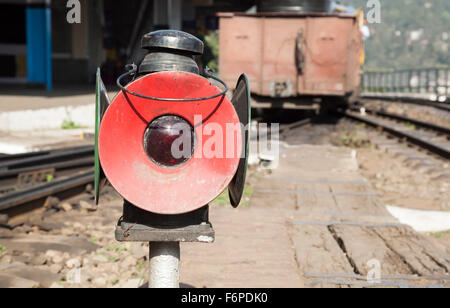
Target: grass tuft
{"points": [[68, 124], [440, 234], [224, 198]]}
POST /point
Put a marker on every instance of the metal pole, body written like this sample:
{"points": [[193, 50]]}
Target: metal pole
{"points": [[48, 46], [410, 76], [436, 86], [447, 85], [164, 265]]}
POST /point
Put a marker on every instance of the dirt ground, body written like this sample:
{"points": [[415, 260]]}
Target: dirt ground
{"points": [[399, 180], [251, 250], [401, 185], [316, 221]]}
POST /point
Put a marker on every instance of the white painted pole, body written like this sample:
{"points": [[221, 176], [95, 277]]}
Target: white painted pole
{"points": [[164, 265]]}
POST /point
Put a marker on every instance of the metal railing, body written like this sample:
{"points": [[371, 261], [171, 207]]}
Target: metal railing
{"points": [[434, 81]]}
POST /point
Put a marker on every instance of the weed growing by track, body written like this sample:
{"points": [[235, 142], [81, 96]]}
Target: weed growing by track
{"points": [[440, 234]]}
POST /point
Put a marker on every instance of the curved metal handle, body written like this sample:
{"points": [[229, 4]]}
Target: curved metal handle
{"points": [[133, 69]]}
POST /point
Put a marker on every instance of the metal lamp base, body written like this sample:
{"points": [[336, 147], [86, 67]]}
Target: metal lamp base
{"points": [[126, 232], [137, 225]]}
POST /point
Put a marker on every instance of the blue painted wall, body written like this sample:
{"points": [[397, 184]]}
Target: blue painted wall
{"points": [[39, 51]]}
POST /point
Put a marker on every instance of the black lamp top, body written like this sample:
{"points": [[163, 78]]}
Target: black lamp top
{"points": [[173, 39]]}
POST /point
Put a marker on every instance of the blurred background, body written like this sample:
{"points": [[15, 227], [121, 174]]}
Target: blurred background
{"points": [[108, 36], [347, 90], [411, 34]]}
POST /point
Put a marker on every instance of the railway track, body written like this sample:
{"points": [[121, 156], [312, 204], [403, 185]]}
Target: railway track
{"points": [[286, 129], [410, 100], [426, 125], [28, 180], [11, 162], [434, 138], [10, 157]]}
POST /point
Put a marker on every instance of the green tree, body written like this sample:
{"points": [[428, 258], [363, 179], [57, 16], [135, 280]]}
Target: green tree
{"points": [[412, 34]]}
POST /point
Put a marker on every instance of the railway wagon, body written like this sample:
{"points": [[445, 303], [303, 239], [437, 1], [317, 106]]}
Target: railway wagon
{"points": [[293, 54]]}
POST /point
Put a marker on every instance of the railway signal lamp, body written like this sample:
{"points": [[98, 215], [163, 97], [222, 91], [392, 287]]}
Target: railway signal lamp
{"points": [[170, 143]]}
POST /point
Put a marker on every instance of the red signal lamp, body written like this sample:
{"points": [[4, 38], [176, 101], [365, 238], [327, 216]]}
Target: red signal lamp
{"points": [[156, 137], [169, 141], [137, 137]]}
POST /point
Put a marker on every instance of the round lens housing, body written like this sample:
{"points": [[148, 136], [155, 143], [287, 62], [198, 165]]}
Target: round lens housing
{"points": [[169, 141]]}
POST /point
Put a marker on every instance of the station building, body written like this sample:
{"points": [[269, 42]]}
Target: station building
{"points": [[38, 44]]}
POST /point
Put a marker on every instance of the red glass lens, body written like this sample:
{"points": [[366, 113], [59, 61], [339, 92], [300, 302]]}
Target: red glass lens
{"points": [[169, 141]]}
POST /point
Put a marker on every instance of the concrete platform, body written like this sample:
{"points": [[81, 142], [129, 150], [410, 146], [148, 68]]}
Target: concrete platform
{"points": [[17, 99], [314, 221], [33, 141], [33, 119], [341, 231], [31, 109]]}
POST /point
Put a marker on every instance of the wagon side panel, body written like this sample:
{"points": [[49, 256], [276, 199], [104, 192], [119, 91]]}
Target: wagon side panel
{"points": [[240, 41], [327, 51], [280, 59]]}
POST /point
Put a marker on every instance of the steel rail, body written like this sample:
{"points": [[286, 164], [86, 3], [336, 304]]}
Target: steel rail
{"points": [[69, 164], [410, 100], [25, 196], [285, 129], [408, 136], [10, 157], [431, 126], [47, 158]]}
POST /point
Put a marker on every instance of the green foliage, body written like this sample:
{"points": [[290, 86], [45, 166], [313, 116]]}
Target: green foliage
{"points": [[110, 258], [410, 125], [224, 198], [212, 43], [353, 139], [412, 34], [49, 178], [2, 249], [116, 248], [440, 234], [68, 124], [248, 193], [140, 265]]}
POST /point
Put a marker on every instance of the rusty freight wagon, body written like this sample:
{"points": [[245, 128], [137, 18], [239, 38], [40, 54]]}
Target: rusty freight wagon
{"points": [[299, 55]]}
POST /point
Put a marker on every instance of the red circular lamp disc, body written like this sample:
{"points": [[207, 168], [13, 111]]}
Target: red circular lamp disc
{"points": [[159, 189]]}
